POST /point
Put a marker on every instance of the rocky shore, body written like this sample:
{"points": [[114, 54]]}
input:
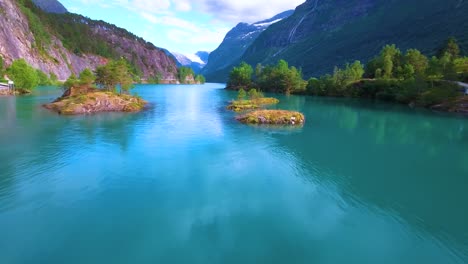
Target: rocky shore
{"points": [[460, 105], [272, 117]]}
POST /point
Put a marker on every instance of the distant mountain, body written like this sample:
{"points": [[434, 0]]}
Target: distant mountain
{"points": [[203, 55], [51, 6], [196, 61], [236, 43], [322, 34]]}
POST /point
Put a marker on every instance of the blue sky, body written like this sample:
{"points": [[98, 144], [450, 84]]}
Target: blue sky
{"points": [[184, 26]]}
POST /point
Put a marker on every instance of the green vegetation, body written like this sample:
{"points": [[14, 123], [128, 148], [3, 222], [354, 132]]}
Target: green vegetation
{"points": [[155, 78], [72, 81], [409, 78], [272, 117], [97, 92], [86, 101], [39, 30], [87, 77], [2, 67], [113, 74], [184, 73], [27, 78], [404, 78], [24, 76], [200, 79], [240, 77], [256, 100], [279, 78]]}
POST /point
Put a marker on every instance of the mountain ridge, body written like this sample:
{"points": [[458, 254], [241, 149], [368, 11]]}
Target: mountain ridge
{"points": [[322, 34], [195, 61], [63, 44], [51, 6], [236, 42]]}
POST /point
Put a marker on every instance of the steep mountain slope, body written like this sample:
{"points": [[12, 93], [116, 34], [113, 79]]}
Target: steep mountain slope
{"points": [[203, 55], [67, 43], [325, 33], [236, 43], [51, 6], [196, 61]]}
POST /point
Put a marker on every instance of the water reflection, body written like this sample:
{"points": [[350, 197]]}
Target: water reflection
{"points": [[182, 182], [410, 164]]}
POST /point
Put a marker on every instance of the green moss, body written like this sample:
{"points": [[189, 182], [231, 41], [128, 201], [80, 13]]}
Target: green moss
{"points": [[272, 117], [244, 105]]}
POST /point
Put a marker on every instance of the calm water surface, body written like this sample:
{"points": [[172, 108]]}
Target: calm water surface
{"points": [[183, 182]]}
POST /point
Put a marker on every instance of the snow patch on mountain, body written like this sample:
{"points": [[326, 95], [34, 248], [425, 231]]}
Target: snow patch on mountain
{"points": [[195, 58], [267, 24]]}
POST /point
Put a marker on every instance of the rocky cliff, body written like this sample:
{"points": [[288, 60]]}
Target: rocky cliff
{"points": [[236, 42], [18, 39]]}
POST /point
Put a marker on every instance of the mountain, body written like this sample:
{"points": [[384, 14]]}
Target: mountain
{"points": [[51, 6], [196, 61], [324, 33], [68, 43], [203, 55], [236, 43]]}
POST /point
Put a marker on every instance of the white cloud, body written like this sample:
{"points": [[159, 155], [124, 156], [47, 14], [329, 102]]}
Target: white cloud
{"points": [[198, 22], [183, 5], [226, 10], [245, 10]]}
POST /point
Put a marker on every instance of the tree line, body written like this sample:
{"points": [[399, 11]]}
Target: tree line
{"points": [[392, 75], [26, 77]]}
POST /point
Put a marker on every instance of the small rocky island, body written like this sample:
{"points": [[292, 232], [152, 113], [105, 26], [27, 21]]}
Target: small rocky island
{"points": [[97, 92], [244, 105], [256, 100], [272, 117], [79, 101], [262, 117]]}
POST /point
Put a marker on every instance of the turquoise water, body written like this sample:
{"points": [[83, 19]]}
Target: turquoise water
{"points": [[183, 182]]}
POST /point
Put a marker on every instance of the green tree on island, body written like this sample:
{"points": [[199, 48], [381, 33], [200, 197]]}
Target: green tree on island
{"points": [[241, 94], [115, 73], [72, 81], [200, 79], [183, 73], [87, 77]]}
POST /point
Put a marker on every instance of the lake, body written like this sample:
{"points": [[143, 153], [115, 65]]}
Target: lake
{"points": [[183, 182]]}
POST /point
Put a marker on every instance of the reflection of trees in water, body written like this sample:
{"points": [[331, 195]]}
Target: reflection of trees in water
{"points": [[409, 162]]}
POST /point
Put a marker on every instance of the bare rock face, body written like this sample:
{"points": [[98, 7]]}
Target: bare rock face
{"points": [[17, 41], [148, 58]]}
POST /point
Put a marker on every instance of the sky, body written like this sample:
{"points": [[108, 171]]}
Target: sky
{"points": [[183, 26]]}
